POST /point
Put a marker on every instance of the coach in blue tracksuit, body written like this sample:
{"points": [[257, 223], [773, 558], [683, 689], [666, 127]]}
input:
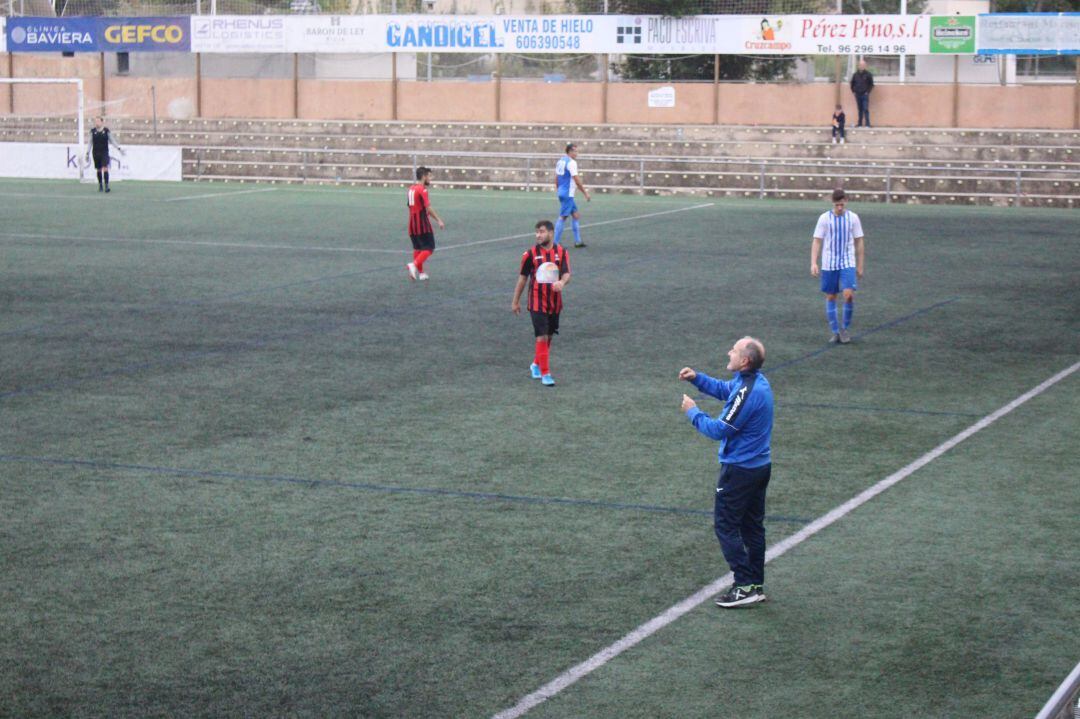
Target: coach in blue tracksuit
{"points": [[744, 430]]}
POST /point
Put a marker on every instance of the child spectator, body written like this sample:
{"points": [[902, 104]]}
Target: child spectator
{"points": [[838, 120]]}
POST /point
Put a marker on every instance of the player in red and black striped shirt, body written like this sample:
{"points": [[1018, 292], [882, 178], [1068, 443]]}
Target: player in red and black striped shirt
{"points": [[546, 266], [420, 232]]}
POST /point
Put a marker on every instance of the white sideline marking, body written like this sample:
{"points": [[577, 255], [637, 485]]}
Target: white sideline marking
{"points": [[589, 224], [263, 246], [570, 676], [1057, 700], [219, 194]]}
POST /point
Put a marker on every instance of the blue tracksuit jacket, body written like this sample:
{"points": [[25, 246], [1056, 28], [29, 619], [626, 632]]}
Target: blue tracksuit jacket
{"points": [[744, 428]]}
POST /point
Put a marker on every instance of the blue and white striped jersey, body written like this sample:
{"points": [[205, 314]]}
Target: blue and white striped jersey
{"points": [[837, 234], [565, 170]]}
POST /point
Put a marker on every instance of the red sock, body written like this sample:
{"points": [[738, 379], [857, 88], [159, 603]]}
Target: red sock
{"points": [[543, 352], [415, 254], [421, 258]]}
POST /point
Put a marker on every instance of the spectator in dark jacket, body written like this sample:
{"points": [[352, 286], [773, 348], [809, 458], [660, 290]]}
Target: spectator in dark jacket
{"points": [[862, 84]]}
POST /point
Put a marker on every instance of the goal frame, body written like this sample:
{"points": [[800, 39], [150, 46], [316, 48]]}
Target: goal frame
{"points": [[81, 103]]}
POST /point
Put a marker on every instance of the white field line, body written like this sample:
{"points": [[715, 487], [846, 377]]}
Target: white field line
{"points": [[219, 194], [590, 224], [1057, 700], [39, 196], [196, 243], [263, 246], [572, 675]]}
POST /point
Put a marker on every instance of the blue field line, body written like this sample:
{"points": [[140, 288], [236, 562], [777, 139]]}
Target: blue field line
{"points": [[250, 345], [260, 342], [387, 489], [209, 300], [885, 326]]}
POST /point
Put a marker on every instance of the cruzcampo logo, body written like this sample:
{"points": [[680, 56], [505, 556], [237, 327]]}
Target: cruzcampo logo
{"points": [[952, 33]]}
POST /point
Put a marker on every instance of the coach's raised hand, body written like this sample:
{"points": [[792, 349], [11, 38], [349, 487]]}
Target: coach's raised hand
{"points": [[686, 374]]}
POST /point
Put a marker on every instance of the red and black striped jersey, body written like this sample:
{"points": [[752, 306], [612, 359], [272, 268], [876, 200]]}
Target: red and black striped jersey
{"points": [[419, 222], [542, 298]]}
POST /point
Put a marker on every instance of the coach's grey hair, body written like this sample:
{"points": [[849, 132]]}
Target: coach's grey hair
{"points": [[754, 351]]}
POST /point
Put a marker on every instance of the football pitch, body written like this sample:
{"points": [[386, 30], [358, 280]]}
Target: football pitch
{"points": [[249, 469]]}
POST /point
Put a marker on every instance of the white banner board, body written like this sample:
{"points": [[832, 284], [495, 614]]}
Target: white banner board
{"points": [[330, 33], [566, 34], [238, 33], [1030, 33], [766, 34], [60, 161], [3, 35], [654, 34], [662, 97]]}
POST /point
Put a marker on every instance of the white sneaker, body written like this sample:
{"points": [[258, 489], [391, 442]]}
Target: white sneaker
{"points": [[422, 276], [834, 141], [411, 267], [841, 141]]}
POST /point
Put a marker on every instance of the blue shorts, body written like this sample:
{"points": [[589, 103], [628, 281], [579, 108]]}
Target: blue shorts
{"points": [[567, 206], [833, 281]]}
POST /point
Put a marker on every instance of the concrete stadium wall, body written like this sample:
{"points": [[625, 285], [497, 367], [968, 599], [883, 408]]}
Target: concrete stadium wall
{"points": [[555, 103], [346, 100], [1054, 106], [1020, 106]]}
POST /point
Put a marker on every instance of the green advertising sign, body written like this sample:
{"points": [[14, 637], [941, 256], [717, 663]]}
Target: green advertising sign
{"points": [[952, 34]]}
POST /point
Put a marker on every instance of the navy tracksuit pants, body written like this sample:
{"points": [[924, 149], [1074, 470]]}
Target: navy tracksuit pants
{"points": [[863, 103], [739, 520]]}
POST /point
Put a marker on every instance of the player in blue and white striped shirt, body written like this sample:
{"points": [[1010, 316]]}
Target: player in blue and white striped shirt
{"points": [[838, 244], [566, 181]]}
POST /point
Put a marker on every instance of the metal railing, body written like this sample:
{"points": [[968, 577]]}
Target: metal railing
{"points": [[769, 174]]}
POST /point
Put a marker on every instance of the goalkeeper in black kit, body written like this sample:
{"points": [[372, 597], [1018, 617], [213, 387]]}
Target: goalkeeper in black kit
{"points": [[100, 139]]}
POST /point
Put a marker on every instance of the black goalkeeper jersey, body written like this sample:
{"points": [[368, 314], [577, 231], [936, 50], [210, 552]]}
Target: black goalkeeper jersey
{"points": [[99, 140]]}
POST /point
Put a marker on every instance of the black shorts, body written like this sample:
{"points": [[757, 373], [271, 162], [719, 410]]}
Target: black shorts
{"points": [[101, 160], [425, 241], [545, 324]]}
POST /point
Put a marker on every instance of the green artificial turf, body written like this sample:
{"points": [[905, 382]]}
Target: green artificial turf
{"points": [[248, 468]]}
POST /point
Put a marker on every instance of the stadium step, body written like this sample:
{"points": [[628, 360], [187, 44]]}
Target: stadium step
{"points": [[889, 164]]}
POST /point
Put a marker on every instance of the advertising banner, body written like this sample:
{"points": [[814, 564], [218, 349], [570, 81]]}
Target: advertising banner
{"points": [[41, 34], [60, 161], [952, 34], [824, 34], [98, 34], [330, 33], [239, 33], [657, 35], [497, 33], [3, 35], [1029, 34], [145, 34], [1068, 33]]}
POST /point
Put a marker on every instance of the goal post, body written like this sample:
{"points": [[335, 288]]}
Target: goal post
{"points": [[80, 110]]}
